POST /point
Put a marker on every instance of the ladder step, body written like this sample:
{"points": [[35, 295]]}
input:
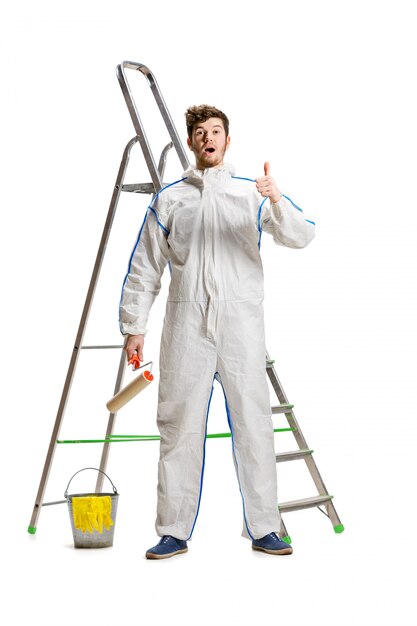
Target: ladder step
{"points": [[282, 408], [270, 363], [141, 187], [305, 503], [102, 347], [292, 456]]}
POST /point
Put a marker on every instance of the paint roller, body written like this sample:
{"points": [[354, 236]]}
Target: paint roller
{"points": [[137, 385]]}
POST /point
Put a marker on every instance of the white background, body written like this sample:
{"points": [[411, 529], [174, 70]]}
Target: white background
{"points": [[325, 91]]}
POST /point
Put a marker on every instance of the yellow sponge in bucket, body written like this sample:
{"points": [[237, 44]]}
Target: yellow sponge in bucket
{"points": [[92, 513]]}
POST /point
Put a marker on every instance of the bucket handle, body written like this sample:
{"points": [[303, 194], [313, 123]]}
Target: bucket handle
{"points": [[89, 468]]}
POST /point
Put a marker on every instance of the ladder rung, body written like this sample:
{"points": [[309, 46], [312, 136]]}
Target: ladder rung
{"points": [[305, 503], [100, 347], [141, 187], [292, 456], [282, 408], [270, 363]]}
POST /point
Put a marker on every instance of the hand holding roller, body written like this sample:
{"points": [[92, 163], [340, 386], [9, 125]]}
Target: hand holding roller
{"points": [[133, 388]]}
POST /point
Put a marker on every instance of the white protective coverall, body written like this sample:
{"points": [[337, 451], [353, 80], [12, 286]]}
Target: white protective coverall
{"points": [[208, 226]]}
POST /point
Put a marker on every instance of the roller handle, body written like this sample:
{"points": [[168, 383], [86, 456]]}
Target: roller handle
{"points": [[134, 361]]}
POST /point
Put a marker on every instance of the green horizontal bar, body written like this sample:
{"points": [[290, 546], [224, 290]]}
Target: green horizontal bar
{"points": [[121, 438], [81, 440], [208, 436], [131, 436], [283, 430]]}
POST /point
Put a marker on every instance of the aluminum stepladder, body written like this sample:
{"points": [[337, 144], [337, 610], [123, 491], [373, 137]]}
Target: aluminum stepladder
{"points": [[156, 172]]}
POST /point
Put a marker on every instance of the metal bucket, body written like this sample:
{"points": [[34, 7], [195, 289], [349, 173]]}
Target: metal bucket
{"points": [[94, 539]]}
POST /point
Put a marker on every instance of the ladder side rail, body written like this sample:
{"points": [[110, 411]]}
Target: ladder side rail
{"points": [[134, 114], [166, 116], [110, 424], [139, 128], [79, 337], [292, 422], [321, 488], [168, 120], [298, 435], [275, 382], [120, 374], [163, 159]]}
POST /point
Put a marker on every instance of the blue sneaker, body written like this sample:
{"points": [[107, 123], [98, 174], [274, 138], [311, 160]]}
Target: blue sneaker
{"points": [[271, 544], [168, 546]]}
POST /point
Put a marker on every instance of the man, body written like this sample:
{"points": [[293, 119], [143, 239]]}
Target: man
{"points": [[208, 227]]}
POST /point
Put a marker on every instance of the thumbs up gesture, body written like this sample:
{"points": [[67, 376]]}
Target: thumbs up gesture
{"points": [[267, 186]]}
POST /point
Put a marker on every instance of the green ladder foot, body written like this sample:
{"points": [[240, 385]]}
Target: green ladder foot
{"points": [[31, 530], [339, 528], [286, 539]]}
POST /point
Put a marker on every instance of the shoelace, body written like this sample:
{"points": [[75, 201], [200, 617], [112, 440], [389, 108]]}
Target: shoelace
{"points": [[166, 539]]}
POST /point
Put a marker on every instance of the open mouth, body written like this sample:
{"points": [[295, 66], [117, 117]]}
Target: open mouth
{"points": [[209, 150]]}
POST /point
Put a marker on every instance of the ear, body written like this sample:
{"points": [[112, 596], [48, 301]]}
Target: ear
{"points": [[227, 142], [189, 143]]}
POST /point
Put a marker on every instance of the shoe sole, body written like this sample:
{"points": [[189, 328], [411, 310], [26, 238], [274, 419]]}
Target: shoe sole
{"points": [[282, 551], [151, 555]]}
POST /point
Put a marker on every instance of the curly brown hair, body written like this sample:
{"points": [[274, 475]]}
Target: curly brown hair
{"points": [[201, 113]]}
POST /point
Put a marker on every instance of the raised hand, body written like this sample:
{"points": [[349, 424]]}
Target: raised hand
{"points": [[267, 186]]}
